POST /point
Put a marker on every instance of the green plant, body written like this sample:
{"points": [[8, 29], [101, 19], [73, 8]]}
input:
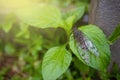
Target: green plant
{"points": [[58, 59], [88, 43]]}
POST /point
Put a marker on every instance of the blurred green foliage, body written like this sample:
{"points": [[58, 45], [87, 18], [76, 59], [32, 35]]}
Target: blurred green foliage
{"points": [[23, 46]]}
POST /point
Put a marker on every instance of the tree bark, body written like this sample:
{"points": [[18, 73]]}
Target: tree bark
{"points": [[106, 15]]}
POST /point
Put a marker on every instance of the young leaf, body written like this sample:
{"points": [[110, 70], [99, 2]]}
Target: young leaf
{"points": [[69, 22], [41, 16], [56, 61], [115, 35], [73, 16], [90, 45], [77, 13]]}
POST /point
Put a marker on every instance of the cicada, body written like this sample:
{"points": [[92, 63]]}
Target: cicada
{"points": [[85, 46]]}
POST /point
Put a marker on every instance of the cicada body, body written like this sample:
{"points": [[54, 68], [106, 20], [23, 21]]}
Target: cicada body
{"points": [[84, 46]]}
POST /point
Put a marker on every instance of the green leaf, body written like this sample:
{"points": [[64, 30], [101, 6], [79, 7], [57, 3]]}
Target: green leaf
{"points": [[95, 52], [73, 16], [41, 16], [73, 47], [56, 61], [115, 35], [77, 13], [84, 69], [69, 22]]}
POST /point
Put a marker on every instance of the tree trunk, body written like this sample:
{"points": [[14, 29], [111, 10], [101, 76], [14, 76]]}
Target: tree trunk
{"points": [[106, 15]]}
